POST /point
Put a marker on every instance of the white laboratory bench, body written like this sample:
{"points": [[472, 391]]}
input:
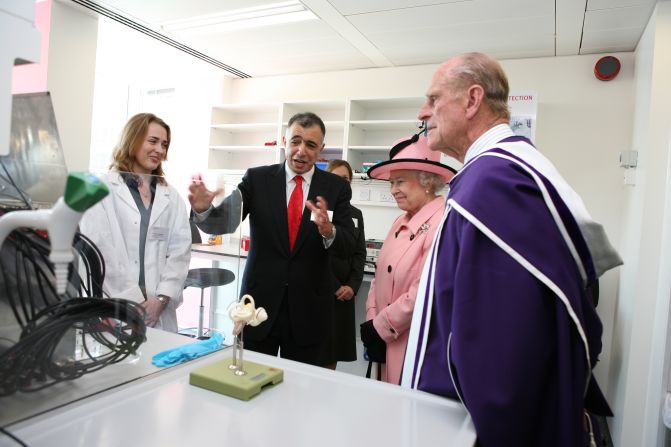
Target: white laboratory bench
{"points": [[312, 407], [21, 406], [230, 248]]}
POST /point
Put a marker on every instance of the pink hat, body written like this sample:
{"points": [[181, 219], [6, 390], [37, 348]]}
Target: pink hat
{"points": [[414, 154]]}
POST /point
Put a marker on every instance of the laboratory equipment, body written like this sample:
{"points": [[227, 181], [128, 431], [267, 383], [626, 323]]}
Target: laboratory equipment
{"points": [[373, 247], [17, 25], [232, 376], [81, 192], [34, 170]]}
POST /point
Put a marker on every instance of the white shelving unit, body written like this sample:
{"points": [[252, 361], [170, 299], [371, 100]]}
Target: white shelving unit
{"points": [[357, 130], [239, 134], [333, 115], [374, 124]]}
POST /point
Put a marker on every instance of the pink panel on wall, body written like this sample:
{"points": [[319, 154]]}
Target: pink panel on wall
{"points": [[33, 77]]}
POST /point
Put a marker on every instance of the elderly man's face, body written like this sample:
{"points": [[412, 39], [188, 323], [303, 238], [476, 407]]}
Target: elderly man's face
{"points": [[445, 116]]}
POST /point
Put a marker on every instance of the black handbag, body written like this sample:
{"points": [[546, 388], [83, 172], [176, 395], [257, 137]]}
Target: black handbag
{"points": [[375, 346], [369, 370]]}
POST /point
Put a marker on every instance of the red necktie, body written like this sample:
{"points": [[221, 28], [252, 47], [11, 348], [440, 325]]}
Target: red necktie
{"points": [[295, 210]]}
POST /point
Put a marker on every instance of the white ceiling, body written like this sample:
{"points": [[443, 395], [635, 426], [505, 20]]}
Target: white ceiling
{"points": [[351, 34]]}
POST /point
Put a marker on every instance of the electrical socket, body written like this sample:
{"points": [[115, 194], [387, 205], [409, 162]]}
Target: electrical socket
{"points": [[385, 196], [364, 195]]}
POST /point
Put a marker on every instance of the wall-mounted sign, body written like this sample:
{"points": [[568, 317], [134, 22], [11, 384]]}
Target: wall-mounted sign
{"points": [[523, 109]]}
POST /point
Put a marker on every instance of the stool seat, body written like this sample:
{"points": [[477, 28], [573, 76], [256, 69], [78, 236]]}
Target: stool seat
{"points": [[203, 278], [208, 277]]}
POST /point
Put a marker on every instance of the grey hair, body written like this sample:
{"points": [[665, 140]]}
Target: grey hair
{"points": [[480, 69], [432, 182]]}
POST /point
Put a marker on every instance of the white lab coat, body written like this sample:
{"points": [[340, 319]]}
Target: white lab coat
{"points": [[114, 226]]}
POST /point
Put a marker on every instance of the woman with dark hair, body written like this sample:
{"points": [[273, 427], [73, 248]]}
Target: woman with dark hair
{"points": [[347, 272], [142, 227]]}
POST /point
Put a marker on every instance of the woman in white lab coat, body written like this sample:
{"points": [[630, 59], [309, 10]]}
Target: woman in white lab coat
{"points": [[142, 226]]}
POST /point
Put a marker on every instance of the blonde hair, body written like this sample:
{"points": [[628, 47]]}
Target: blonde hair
{"points": [[132, 136]]}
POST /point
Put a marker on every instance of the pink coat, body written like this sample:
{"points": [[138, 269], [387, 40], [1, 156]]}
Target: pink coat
{"points": [[391, 299]]}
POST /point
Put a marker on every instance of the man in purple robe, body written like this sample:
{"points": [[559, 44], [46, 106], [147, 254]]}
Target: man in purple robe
{"points": [[504, 319]]}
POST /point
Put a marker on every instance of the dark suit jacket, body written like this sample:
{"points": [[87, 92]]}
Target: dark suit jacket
{"points": [[270, 267], [347, 269]]}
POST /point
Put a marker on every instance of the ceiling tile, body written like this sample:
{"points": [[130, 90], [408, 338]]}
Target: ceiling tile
{"points": [[280, 49], [437, 54], [402, 32], [617, 18], [458, 14], [349, 7], [421, 43], [624, 40], [609, 4], [570, 15], [603, 50]]}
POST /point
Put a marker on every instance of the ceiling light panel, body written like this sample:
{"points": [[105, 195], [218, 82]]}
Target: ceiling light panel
{"points": [[251, 17], [263, 51], [160, 11]]}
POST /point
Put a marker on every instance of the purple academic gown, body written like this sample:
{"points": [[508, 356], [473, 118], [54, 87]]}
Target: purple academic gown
{"points": [[516, 346]]}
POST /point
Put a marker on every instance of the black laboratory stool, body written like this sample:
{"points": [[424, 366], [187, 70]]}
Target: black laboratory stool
{"points": [[204, 278]]}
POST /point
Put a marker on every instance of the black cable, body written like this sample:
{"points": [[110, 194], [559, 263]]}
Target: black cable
{"points": [[85, 283], [10, 296], [31, 261], [96, 270], [29, 205], [13, 437], [20, 290], [50, 321], [30, 365]]}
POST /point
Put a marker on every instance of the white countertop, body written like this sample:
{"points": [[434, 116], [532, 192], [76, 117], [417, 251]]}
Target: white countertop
{"points": [[231, 248], [20, 406], [312, 407]]}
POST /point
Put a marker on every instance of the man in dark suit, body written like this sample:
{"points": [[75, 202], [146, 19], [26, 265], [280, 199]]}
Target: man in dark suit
{"points": [[287, 274]]}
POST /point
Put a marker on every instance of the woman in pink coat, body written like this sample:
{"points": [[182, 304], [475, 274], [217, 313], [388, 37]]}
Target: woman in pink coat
{"points": [[416, 176]]}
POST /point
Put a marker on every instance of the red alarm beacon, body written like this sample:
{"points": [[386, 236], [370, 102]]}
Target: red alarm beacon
{"points": [[607, 68]]}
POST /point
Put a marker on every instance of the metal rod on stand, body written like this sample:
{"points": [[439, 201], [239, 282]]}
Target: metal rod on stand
{"points": [[242, 313], [240, 371], [234, 365]]}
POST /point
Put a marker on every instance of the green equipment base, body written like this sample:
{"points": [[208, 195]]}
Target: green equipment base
{"points": [[218, 377]]}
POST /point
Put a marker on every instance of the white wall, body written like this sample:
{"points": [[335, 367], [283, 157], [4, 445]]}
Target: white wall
{"points": [[123, 79], [642, 321], [583, 125], [70, 78]]}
